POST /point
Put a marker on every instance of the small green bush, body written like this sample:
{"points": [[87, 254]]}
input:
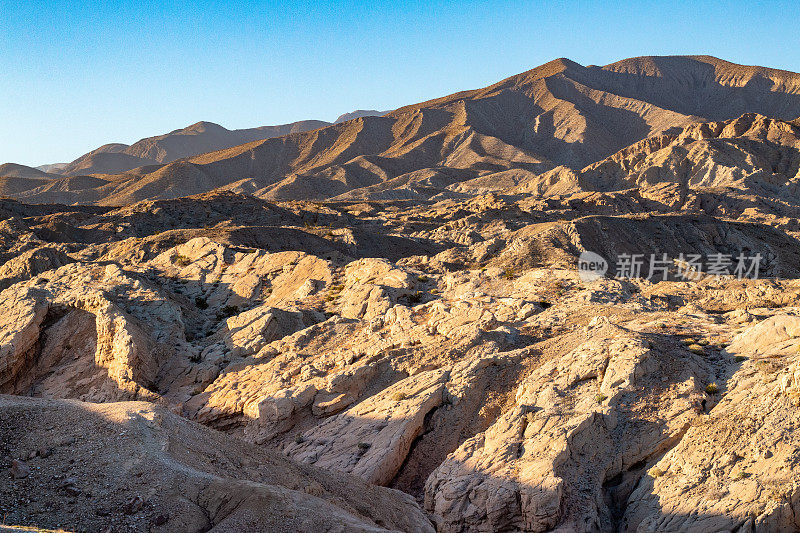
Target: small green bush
{"points": [[364, 446], [766, 368], [399, 396], [181, 260], [509, 273], [696, 349], [600, 398], [712, 388]]}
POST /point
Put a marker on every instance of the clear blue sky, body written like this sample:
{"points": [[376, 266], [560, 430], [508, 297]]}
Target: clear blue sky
{"points": [[75, 75]]}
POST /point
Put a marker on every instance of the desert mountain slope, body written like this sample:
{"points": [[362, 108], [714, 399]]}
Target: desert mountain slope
{"points": [[560, 115], [207, 136], [751, 153], [17, 179], [703, 86], [191, 140], [13, 170]]}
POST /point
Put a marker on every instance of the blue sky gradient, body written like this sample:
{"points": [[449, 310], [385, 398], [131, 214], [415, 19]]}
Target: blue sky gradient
{"points": [[75, 75]]}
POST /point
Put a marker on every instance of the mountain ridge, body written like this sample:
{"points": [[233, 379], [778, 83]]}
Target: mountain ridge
{"points": [[559, 114]]}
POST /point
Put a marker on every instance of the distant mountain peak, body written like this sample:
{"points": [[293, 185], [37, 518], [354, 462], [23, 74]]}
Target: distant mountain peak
{"points": [[358, 113], [201, 127]]}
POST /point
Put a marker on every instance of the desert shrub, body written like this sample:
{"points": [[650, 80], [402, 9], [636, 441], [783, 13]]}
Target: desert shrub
{"points": [[712, 388], [230, 310], [696, 349], [298, 439], [423, 278], [364, 446], [181, 260], [655, 472], [399, 396], [766, 368], [740, 358], [600, 398], [509, 273], [415, 298]]}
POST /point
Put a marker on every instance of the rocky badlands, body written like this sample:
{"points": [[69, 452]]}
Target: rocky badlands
{"points": [[420, 354]]}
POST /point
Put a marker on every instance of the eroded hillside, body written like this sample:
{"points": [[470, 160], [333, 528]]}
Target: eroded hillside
{"points": [[290, 353]]}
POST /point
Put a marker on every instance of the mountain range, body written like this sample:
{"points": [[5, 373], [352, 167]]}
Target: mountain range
{"points": [[185, 142], [537, 130]]}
